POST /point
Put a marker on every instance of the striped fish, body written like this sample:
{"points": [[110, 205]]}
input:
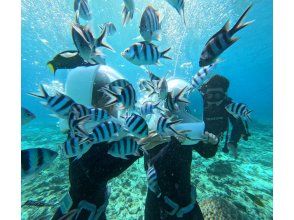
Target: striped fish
{"points": [[60, 104], [124, 147], [164, 124], [104, 131], [146, 86], [220, 41], [179, 6], [128, 11], [171, 102], [150, 27], [152, 180], [73, 147], [127, 97], [144, 53], [201, 75], [82, 7], [26, 116], [96, 114], [162, 89], [148, 108], [238, 110], [137, 125], [35, 159]]}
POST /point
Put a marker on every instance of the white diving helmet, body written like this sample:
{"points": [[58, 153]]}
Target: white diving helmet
{"points": [[190, 121], [82, 85]]}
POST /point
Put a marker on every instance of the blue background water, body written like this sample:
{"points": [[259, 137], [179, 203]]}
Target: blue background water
{"points": [[248, 63]]}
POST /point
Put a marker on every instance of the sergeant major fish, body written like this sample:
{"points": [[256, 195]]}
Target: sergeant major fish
{"points": [[35, 159], [149, 107], [220, 41], [26, 116], [128, 11], [201, 75], [144, 53], [124, 147], [137, 125], [83, 9], [73, 147], [150, 26], [60, 104], [126, 97], [179, 6], [239, 110], [164, 124]]}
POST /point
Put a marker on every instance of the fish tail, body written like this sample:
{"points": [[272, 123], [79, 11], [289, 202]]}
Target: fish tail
{"points": [[51, 67], [126, 15], [99, 40], [162, 54], [248, 115], [179, 97], [169, 124], [157, 107], [114, 98], [43, 95], [238, 26], [80, 125]]}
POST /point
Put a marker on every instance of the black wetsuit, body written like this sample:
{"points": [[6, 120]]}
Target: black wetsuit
{"points": [[173, 170], [89, 175], [217, 121]]}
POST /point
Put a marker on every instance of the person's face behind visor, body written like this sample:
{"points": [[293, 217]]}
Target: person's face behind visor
{"points": [[214, 96]]}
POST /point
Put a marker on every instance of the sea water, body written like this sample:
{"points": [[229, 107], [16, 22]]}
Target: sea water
{"points": [[247, 64]]}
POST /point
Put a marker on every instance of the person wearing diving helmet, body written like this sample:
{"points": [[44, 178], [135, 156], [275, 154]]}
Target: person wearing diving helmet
{"points": [[170, 193], [216, 117], [88, 176]]}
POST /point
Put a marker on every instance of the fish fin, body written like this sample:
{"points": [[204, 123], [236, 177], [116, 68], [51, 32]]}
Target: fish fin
{"points": [[80, 126], [162, 54], [248, 115], [238, 26], [169, 124], [77, 15], [179, 97], [126, 16], [233, 40], [43, 95], [99, 41], [51, 67]]}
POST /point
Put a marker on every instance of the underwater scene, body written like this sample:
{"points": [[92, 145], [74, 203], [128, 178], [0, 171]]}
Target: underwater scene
{"points": [[144, 109]]}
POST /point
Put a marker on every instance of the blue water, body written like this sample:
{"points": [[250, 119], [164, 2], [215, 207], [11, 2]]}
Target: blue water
{"points": [[247, 64]]}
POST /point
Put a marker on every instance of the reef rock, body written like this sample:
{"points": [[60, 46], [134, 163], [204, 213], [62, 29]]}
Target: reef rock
{"points": [[220, 168], [220, 209]]}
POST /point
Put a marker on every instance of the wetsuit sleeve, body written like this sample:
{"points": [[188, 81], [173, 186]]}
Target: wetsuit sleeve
{"points": [[238, 129], [205, 150]]}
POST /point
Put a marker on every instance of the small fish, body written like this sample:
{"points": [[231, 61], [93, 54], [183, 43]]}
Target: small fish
{"points": [[96, 114], [83, 9], [144, 53], [110, 28], [201, 75], [150, 26], [37, 203], [26, 116], [152, 180], [137, 125], [255, 199], [124, 147], [146, 86], [179, 6], [127, 97], [238, 110], [104, 131], [69, 59], [171, 102], [73, 147], [128, 11], [164, 124], [35, 159], [220, 41], [149, 107], [60, 104], [162, 89]]}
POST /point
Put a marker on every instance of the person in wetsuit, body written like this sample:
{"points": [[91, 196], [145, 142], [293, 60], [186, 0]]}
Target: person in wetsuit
{"points": [[172, 196], [88, 176], [217, 119]]}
